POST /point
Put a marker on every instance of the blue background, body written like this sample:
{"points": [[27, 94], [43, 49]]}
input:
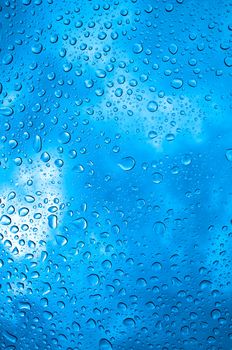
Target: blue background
{"points": [[115, 177]]}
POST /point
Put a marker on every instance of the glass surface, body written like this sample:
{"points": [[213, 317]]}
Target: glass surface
{"points": [[115, 175]]}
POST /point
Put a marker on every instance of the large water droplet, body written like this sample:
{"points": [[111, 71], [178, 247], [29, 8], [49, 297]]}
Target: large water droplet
{"points": [[152, 106], [228, 154], [52, 221], [104, 344], [80, 224], [5, 220], [7, 59], [64, 137], [177, 83], [6, 111], [127, 163], [159, 228], [61, 240], [137, 48], [37, 145]]}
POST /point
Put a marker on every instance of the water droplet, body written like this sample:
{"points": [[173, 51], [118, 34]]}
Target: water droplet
{"points": [[100, 73], [37, 145], [152, 134], [159, 228], [152, 106], [129, 322], [29, 199], [7, 59], [205, 284], [170, 137], [61, 240], [23, 211], [23, 305], [45, 157], [93, 279], [186, 159], [157, 178], [76, 327], [216, 314], [127, 163], [173, 49], [104, 344], [80, 223], [52, 221], [228, 154], [137, 48], [18, 161], [6, 111], [177, 83], [228, 61], [11, 195], [47, 315], [10, 337], [157, 266], [64, 137], [5, 220], [59, 163], [13, 144], [37, 48]]}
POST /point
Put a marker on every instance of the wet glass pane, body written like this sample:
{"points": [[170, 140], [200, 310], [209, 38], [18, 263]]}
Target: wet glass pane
{"points": [[115, 174]]}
